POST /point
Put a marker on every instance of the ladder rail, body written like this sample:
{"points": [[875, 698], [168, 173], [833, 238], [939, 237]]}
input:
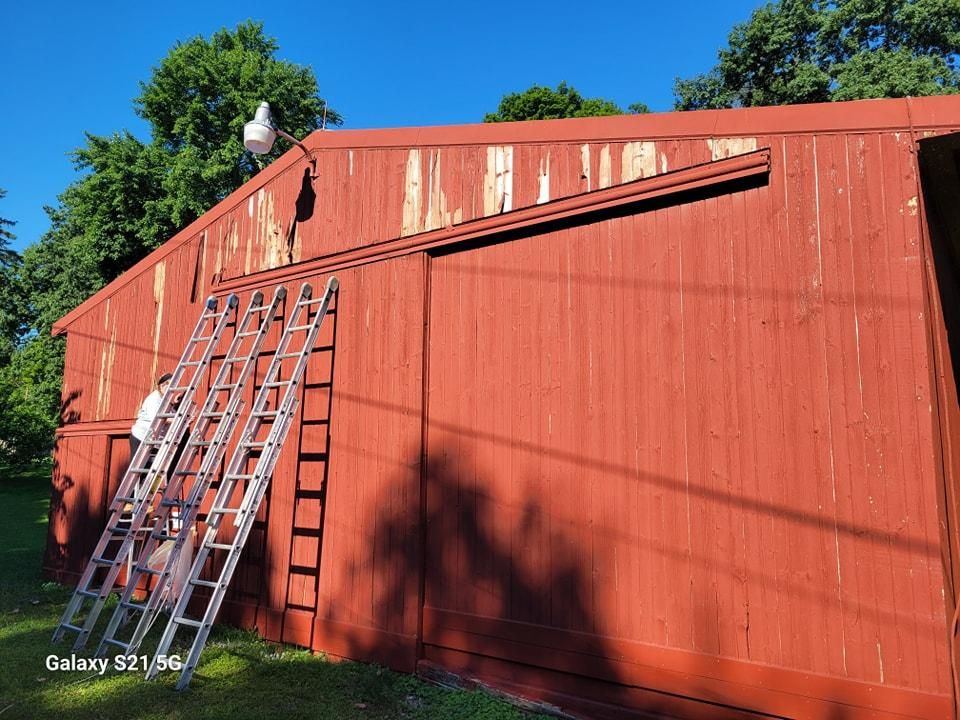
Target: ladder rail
{"points": [[255, 491], [136, 488], [189, 508]]}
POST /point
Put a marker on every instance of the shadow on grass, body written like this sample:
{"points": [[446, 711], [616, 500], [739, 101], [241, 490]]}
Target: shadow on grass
{"points": [[240, 676]]}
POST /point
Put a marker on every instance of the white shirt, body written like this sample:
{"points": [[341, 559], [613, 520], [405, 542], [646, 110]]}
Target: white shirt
{"points": [[148, 411]]}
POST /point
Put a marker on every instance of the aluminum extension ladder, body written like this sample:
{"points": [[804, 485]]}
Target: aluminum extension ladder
{"points": [[149, 464], [280, 420], [221, 410]]}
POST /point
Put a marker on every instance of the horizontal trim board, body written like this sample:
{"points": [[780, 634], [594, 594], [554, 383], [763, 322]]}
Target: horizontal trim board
{"points": [[689, 179], [590, 698], [96, 427], [718, 680]]}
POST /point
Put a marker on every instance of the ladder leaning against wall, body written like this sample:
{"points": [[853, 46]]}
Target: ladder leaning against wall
{"points": [[154, 457]]}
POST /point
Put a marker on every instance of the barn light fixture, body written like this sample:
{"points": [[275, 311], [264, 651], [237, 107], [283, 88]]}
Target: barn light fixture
{"points": [[260, 133]]}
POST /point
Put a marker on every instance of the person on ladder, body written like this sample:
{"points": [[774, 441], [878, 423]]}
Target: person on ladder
{"points": [[148, 410]]}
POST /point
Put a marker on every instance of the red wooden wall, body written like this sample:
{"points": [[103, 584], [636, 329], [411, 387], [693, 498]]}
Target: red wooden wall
{"points": [[677, 457]]}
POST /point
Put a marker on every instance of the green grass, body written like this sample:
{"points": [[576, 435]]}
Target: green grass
{"points": [[239, 675]]}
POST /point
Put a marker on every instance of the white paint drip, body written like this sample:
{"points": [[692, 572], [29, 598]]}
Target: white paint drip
{"points": [[833, 471], [585, 165], [543, 181]]}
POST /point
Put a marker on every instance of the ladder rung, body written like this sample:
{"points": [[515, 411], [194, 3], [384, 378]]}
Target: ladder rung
{"points": [[102, 561], [204, 583], [179, 389], [147, 570], [69, 626], [162, 536], [173, 503], [125, 499], [202, 338], [88, 593], [117, 530], [248, 333], [166, 415], [255, 444], [192, 363], [266, 413], [218, 546], [186, 472], [139, 471], [201, 443], [118, 643], [299, 327], [276, 383], [284, 356], [188, 621], [237, 477], [225, 386], [133, 606], [224, 510], [215, 414]]}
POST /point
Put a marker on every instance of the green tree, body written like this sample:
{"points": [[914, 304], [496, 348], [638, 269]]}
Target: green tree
{"points": [[12, 311], [133, 194], [801, 51], [198, 100], [542, 103]]}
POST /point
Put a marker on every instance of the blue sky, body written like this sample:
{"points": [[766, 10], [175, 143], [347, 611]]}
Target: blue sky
{"points": [[67, 68]]}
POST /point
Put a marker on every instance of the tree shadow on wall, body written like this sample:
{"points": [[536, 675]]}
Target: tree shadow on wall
{"points": [[69, 519], [506, 591]]}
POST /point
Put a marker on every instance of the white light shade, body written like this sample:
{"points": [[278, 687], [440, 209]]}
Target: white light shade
{"points": [[259, 133], [258, 137]]}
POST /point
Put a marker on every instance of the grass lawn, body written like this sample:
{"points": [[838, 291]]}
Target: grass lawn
{"points": [[239, 675]]}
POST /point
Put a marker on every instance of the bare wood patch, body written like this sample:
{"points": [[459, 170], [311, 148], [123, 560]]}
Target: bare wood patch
{"points": [[639, 160], [721, 148], [159, 279], [604, 180], [498, 181], [412, 195]]}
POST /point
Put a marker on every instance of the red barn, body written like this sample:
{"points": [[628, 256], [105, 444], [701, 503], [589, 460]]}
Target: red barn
{"points": [[633, 414]]}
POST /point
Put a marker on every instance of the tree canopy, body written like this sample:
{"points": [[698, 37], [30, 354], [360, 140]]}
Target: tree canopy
{"points": [[801, 51], [132, 194], [543, 103]]}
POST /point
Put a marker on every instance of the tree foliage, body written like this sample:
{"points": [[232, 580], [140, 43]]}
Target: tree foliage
{"points": [[12, 316], [132, 195], [801, 51], [543, 103]]}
